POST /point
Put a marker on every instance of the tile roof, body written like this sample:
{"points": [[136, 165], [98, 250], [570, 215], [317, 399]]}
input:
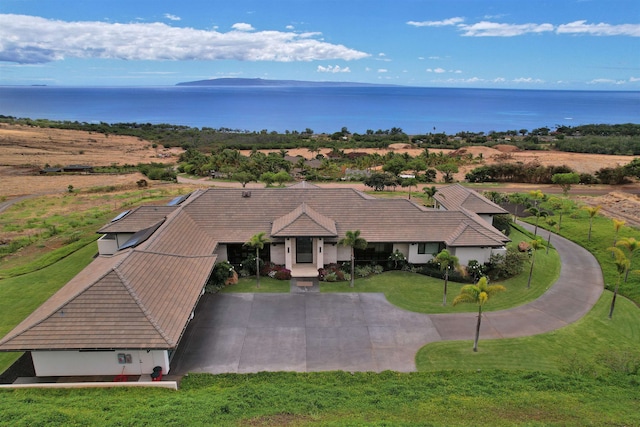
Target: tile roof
{"points": [[138, 219], [304, 221], [142, 297], [142, 300], [454, 197]]}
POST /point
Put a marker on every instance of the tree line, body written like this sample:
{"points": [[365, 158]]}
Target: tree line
{"points": [[594, 138]]}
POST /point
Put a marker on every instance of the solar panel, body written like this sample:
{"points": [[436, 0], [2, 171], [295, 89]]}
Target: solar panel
{"points": [[140, 236], [176, 201], [120, 215]]}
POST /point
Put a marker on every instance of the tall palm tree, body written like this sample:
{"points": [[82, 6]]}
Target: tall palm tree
{"points": [[477, 294], [447, 262], [632, 246], [354, 241], [622, 266], [537, 212], [592, 211], [535, 245], [258, 241]]}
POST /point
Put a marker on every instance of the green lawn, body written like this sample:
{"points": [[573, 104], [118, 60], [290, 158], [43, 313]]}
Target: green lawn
{"points": [[575, 227], [267, 285], [580, 345], [423, 294], [448, 398]]}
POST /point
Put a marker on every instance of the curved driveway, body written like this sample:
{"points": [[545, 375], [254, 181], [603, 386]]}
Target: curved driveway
{"points": [[305, 332]]}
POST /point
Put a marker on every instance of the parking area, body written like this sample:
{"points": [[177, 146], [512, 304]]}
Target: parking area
{"points": [[303, 332]]}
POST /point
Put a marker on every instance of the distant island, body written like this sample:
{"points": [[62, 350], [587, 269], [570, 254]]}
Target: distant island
{"points": [[277, 83]]}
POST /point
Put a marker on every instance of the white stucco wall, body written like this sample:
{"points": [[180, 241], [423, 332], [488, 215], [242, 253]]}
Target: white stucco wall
{"points": [[488, 218], [107, 244], [344, 253], [402, 247], [76, 363], [465, 254], [330, 253], [277, 254], [415, 258]]}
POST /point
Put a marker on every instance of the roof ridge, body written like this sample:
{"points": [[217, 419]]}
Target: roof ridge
{"points": [[144, 309]]}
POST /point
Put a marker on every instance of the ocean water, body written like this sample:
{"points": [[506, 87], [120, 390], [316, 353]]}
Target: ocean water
{"points": [[324, 109]]}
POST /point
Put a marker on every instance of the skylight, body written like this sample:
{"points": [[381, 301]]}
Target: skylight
{"points": [[120, 215]]}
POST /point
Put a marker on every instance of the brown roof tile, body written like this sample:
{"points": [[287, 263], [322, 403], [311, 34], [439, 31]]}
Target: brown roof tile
{"points": [[304, 221], [454, 197], [138, 219]]}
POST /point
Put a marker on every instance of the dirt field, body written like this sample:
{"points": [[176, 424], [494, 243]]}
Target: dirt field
{"points": [[25, 150], [581, 163]]}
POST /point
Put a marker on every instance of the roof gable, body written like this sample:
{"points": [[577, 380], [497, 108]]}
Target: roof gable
{"points": [[304, 221], [454, 197]]}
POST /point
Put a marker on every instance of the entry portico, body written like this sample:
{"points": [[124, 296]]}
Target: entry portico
{"points": [[305, 232]]}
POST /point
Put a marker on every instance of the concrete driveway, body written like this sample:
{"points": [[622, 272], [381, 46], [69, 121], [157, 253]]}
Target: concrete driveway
{"points": [[301, 332], [305, 332]]}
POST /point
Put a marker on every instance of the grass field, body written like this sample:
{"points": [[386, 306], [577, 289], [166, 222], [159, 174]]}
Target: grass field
{"points": [[452, 398]]}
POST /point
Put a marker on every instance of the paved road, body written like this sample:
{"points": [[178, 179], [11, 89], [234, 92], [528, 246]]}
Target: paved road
{"points": [[305, 332]]}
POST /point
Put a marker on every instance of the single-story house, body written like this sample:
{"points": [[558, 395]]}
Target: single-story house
{"points": [[127, 311]]}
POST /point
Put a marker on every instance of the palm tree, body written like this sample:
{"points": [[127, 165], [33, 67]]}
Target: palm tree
{"points": [[537, 212], [559, 205], [535, 245], [592, 211], [446, 261], [517, 199], [257, 241], [477, 294], [632, 246], [617, 225], [430, 192], [354, 241], [622, 266]]}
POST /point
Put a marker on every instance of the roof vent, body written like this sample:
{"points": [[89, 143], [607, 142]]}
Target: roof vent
{"points": [[246, 194]]}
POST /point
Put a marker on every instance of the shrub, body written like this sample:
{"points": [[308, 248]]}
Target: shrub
{"points": [[397, 260], [362, 270], [502, 267], [249, 264], [221, 272], [331, 273], [503, 223]]}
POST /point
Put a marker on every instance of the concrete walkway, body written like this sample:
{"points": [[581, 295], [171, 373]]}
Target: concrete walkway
{"points": [[308, 331]]}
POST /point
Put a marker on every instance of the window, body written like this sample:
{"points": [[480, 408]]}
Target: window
{"points": [[428, 248], [375, 252]]}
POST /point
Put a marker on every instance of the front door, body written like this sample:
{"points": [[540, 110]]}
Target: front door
{"points": [[304, 250]]}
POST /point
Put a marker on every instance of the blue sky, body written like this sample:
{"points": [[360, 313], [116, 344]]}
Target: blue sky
{"points": [[527, 44]]}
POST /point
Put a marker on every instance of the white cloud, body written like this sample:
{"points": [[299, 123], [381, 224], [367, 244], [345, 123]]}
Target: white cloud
{"points": [[31, 40], [601, 29], [607, 81], [290, 27], [242, 26], [494, 29], [527, 80], [488, 28], [634, 79], [172, 17], [333, 69], [383, 70], [444, 23], [442, 70]]}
